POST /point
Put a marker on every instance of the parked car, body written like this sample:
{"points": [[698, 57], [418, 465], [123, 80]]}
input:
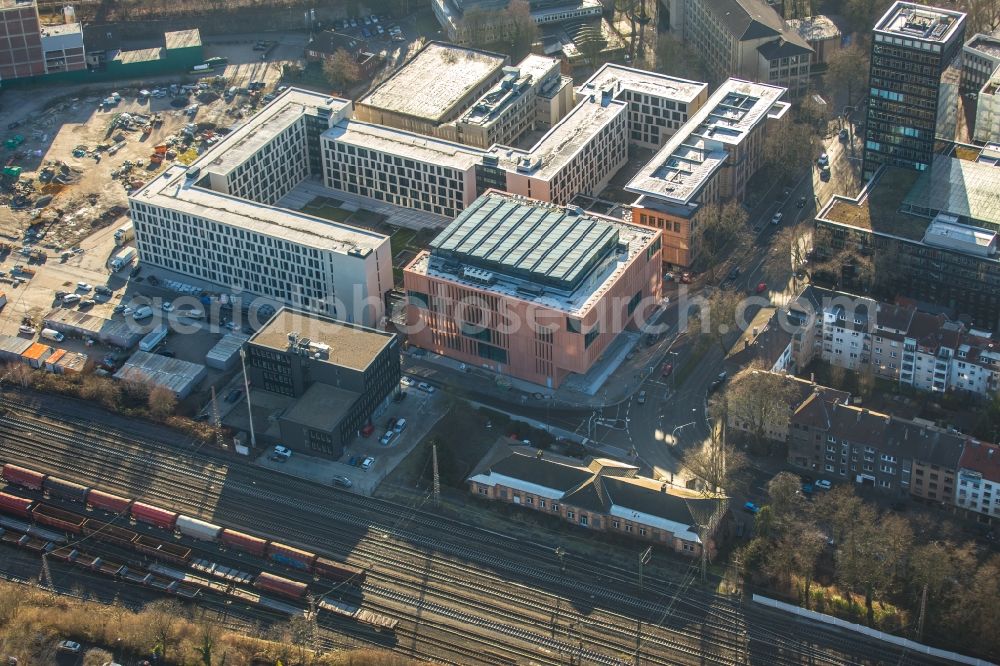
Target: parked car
{"points": [[717, 382], [367, 463], [823, 160], [342, 482], [88, 303], [761, 287], [400, 425], [281, 453], [667, 369], [387, 438], [776, 218], [103, 290], [24, 329], [69, 646], [641, 398], [70, 299], [822, 484], [406, 380], [750, 507], [425, 387], [83, 286], [167, 306], [733, 273]]}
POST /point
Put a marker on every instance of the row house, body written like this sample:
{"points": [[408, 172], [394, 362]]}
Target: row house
{"points": [[604, 496], [777, 424], [978, 489], [895, 456]]}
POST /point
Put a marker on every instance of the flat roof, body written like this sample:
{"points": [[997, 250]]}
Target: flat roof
{"points": [[322, 406], [431, 83], [405, 144], [139, 55], [172, 373], [529, 250], [877, 208], [270, 121], [61, 29], [173, 190], [561, 143], [698, 149], [180, 39], [617, 77], [920, 22], [338, 342], [985, 44], [966, 188], [16, 4], [502, 95]]}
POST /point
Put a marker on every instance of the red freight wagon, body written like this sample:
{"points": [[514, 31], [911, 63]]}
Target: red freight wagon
{"points": [[22, 476], [337, 571], [293, 557], [163, 550], [154, 515], [16, 506], [56, 517], [289, 588], [107, 532], [108, 502], [57, 487], [244, 542]]}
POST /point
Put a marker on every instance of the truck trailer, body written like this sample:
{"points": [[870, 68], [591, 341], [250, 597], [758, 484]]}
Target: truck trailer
{"points": [[124, 258]]}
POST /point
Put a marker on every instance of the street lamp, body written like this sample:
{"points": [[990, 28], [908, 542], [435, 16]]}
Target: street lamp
{"points": [[672, 374], [246, 387], [673, 435]]}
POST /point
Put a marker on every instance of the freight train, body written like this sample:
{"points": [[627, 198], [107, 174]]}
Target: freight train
{"points": [[158, 576], [141, 512]]}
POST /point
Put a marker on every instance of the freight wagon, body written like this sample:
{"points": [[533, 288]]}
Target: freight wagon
{"points": [[197, 529], [338, 572], [56, 517], [108, 532], [154, 515], [14, 505], [21, 476], [244, 542], [163, 550], [68, 490], [293, 557], [113, 503], [286, 588]]}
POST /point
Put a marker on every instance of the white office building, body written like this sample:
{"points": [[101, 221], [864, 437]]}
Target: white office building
{"points": [[213, 220]]}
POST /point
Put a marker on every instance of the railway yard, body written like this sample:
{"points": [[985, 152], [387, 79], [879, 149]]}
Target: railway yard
{"points": [[424, 586]]}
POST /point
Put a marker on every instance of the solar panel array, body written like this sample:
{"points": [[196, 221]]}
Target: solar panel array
{"points": [[537, 242]]}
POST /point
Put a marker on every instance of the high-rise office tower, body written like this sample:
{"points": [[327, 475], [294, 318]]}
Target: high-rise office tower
{"points": [[913, 85]]}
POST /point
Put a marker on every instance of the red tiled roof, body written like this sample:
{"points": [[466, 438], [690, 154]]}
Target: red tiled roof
{"points": [[983, 458]]}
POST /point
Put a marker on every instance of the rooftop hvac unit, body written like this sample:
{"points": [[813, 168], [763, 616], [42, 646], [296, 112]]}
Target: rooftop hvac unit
{"points": [[478, 275]]}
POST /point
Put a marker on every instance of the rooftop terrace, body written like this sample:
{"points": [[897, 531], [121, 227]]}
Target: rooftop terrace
{"points": [[337, 342], [435, 80], [920, 22]]}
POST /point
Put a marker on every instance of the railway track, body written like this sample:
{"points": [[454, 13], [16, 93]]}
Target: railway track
{"points": [[196, 483]]}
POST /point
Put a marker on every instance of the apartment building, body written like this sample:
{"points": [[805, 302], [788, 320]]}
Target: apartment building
{"points": [[529, 289], [925, 351], [849, 443], [915, 54], [330, 377], [777, 424], [929, 236], [432, 89], [978, 487], [709, 159], [658, 105], [232, 238], [603, 496], [401, 168], [744, 39]]}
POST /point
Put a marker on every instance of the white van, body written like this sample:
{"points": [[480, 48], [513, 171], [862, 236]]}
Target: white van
{"points": [[400, 425], [51, 334], [145, 312]]}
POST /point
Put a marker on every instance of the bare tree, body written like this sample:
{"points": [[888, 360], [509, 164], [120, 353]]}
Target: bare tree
{"points": [[759, 401], [862, 14], [815, 112], [162, 402], [717, 464], [716, 320], [983, 16], [341, 69], [847, 69], [675, 58], [788, 151], [523, 29], [162, 616], [715, 228], [592, 43], [808, 546], [785, 493]]}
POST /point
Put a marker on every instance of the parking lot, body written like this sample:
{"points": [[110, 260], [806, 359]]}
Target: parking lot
{"points": [[420, 410]]}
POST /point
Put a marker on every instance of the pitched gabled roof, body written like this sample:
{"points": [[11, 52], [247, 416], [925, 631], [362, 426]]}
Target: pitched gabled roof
{"points": [[782, 48], [753, 19], [541, 472], [925, 444], [640, 498], [983, 458]]}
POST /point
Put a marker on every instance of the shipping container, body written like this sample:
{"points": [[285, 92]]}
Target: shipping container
{"points": [[56, 517], [164, 550], [197, 529], [154, 515], [108, 502], [107, 532], [377, 620], [288, 588], [21, 476], [14, 505], [244, 542], [337, 571], [293, 557], [57, 487]]}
